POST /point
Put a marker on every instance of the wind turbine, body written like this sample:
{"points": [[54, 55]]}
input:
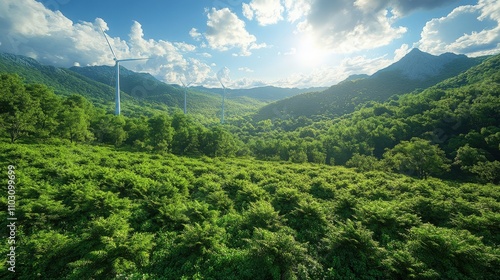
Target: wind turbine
{"points": [[223, 74], [185, 95], [117, 70]]}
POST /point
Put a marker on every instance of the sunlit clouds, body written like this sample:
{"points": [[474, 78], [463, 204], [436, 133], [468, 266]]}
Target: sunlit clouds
{"points": [[311, 42]]}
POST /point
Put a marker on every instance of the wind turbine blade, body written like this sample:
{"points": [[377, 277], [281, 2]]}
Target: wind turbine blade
{"points": [[113, 52], [133, 59]]}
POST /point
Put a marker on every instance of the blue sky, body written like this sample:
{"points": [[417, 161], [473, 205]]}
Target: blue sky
{"points": [[287, 43]]}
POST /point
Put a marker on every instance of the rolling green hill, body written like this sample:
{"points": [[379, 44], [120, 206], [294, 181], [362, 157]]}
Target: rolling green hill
{"points": [[417, 70], [459, 116], [164, 196], [141, 93]]}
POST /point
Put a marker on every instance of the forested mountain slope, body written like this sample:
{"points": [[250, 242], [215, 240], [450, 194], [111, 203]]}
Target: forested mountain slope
{"points": [[265, 93], [143, 86], [141, 93], [417, 70], [460, 116], [100, 196]]}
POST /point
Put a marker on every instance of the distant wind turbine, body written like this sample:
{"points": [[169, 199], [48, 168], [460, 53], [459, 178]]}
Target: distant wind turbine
{"points": [[185, 95], [223, 74], [117, 66]]}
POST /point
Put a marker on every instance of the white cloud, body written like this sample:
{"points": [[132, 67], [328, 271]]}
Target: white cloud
{"points": [[195, 34], [247, 11], [296, 9], [266, 12], [346, 26], [226, 31], [401, 52], [343, 26], [245, 69], [472, 30], [28, 28]]}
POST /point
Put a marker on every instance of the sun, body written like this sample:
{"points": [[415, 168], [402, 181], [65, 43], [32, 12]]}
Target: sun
{"points": [[308, 53]]}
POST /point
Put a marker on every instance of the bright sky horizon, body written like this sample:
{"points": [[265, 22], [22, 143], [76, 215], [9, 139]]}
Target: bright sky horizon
{"points": [[284, 43]]}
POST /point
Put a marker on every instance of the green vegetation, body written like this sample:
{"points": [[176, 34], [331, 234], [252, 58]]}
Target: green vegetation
{"points": [[95, 212], [454, 123], [141, 93], [162, 195], [345, 97]]}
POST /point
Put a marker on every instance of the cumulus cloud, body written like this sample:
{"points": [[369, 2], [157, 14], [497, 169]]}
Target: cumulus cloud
{"points": [[473, 30], [226, 31], [401, 52], [346, 26], [265, 11], [28, 28], [400, 7]]}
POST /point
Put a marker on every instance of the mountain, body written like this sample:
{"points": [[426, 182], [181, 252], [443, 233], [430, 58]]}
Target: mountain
{"points": [[357, 77], [265, 94], [417, 70], [63, 81], [141, 92], [418, 65], [145, 87]]}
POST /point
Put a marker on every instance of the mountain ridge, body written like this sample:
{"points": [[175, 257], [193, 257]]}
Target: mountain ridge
{"points": [[419, 65], [398, 78], [141, 92]]}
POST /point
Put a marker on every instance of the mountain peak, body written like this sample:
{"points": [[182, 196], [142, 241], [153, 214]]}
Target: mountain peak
{"points": [[419, 65], [416, 51]]}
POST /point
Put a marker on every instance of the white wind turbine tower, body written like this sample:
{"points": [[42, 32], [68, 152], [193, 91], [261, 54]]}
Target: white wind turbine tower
{"points": [[117, 70], [185, 85], [223, 74]]}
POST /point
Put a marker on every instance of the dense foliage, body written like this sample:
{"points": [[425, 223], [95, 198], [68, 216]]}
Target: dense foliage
{"points": [[458, 118], [35, 113], [89, 212], [161, 195]]}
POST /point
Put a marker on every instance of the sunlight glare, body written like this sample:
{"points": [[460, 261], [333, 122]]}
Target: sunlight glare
{"points": [[309, 53]]}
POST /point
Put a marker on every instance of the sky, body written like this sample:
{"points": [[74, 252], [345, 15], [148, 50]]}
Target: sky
{"points": [[283, 43]]}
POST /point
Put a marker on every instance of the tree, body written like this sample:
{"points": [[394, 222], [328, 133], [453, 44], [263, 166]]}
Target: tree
{"points": [[18, 110], [185, 140], [161, 132], [218, 142], [468, 156], [488, 171], [50, 106], [363, 162], [137, 131], [279, 253], [110, 129], [417, 157], [74, 120]]}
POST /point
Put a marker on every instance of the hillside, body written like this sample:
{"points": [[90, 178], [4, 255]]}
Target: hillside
{"points": [[141, 93], [401, 189], [456, 120], [417, 70], [63, 82], [89, 212], [143, 86], [265, 94]]}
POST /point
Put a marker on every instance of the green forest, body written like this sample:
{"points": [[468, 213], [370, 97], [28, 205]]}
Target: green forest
{"points": [[402, 188]]}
